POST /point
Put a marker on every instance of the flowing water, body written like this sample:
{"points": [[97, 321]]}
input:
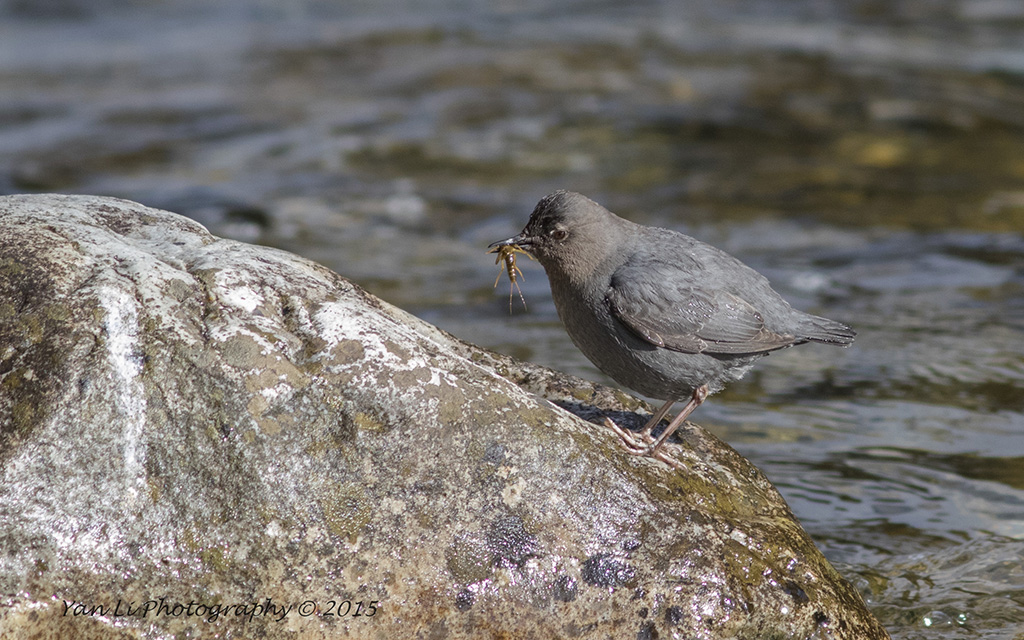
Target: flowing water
{"points": [[867, 156]]}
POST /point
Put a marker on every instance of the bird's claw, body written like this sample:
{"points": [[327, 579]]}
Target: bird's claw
{"points": [[645, 447], [629, 442]]}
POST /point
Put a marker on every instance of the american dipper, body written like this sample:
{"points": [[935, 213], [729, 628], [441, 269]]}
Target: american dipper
{"points": [[660, 312]]}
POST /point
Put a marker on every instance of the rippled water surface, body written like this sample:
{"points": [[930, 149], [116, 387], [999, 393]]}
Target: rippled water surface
{"points": [[868, 157]]}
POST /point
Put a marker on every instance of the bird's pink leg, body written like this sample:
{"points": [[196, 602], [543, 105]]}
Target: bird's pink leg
{"points": [[643, 445]]}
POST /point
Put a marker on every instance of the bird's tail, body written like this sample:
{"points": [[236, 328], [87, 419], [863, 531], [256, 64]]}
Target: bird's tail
{"points": [[818, 329]]}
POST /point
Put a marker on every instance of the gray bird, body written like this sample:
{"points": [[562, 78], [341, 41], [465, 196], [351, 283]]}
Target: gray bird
{"points": [[660, 312]]}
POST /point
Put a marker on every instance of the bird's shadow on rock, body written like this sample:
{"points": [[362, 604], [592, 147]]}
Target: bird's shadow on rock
{"points": [[628, 420]]}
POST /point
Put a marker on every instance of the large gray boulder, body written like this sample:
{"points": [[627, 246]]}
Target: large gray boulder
{"points": [[201, 437]]}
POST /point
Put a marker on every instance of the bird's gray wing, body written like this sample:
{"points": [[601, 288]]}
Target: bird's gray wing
{"points": [[667, 307]]}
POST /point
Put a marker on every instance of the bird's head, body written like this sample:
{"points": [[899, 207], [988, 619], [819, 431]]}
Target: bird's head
{"points": [[569, 234]]}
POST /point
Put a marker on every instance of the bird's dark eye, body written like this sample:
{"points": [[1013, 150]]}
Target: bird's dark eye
{"points": [[559, 235]]}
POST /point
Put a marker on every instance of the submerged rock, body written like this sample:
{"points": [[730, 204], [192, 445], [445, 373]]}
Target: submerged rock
{"points": [[200, 436]]}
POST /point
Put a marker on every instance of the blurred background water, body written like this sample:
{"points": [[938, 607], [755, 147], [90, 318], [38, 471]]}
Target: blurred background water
{"points": [[866, 155]]}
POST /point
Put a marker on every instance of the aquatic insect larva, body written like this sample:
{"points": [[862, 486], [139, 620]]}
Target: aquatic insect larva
{"points": [[507, 253]]}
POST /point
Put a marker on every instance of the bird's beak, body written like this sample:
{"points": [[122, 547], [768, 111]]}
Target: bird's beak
{"points": [[521, 241]]}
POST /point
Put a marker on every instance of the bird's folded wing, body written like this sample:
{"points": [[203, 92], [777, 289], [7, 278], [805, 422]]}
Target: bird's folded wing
{"points": [[674, 312]]}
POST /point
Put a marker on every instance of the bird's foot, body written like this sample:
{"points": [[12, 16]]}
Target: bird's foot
{"points": [[643, 446], [660, 453]]}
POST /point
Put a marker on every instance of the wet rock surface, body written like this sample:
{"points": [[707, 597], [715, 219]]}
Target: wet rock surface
{"points": [[203, 436]]}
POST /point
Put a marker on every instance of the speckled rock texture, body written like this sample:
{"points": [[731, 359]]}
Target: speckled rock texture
{"points": [[203, 438]]}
